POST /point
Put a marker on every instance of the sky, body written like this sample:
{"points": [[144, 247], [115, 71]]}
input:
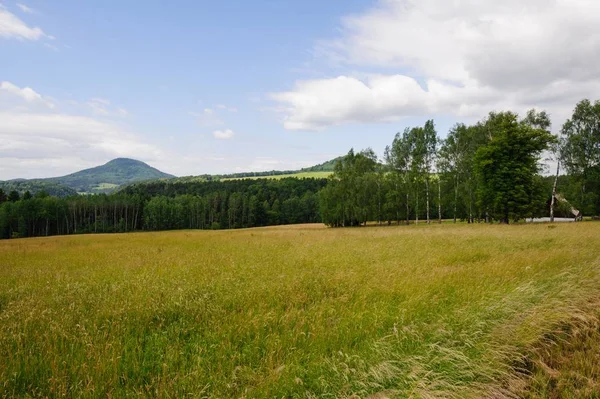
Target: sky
{"points": [[195, 87]]}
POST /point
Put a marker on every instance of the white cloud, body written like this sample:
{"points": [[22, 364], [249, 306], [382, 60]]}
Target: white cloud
{"points": [[12, 26], [26, 93], [460, 57], [223, 134], [41, 141], [25, 9]]}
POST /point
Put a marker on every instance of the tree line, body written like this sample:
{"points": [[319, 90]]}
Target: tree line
{"points": [[163, 205], [488, 171]]}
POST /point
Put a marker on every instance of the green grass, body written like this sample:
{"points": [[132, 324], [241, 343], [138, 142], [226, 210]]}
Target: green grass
{"points": [[299, 175], [105, 186], [299, 311]]}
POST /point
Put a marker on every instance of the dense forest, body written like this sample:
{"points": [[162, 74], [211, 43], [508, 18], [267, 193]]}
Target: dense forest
{"points": [[490, 171], [163, 205]]}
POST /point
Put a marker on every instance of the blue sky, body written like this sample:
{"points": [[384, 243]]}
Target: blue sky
{"points": [[197, 87]]}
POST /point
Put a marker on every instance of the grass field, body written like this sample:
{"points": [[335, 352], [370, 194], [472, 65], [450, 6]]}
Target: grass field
{"points": [[301, 311], [300, 175]]}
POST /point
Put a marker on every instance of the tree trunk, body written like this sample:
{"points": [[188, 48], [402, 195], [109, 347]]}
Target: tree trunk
{"points": [[471, 207], [427, 189], [554, 192], [407, 210], [440, 199], [417, 208], [455, 197]]}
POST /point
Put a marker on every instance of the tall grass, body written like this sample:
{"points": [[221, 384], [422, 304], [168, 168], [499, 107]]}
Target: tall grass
{"points": [[303, 311]]}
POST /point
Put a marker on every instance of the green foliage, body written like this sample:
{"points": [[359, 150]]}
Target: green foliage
{"points": [[348, 198], [456, 166], [35, 186], [580, 153], [507, 167], [14, 196], [165, 205]]}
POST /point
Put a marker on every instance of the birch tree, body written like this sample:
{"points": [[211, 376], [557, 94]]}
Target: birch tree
{"points": [[581, 151]]}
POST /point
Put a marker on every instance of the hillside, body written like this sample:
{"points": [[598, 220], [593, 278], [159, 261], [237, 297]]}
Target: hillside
{"points": [[323, 167], [120, 172], [107, 177], [35, 186], [100, 179], [320, 171]]}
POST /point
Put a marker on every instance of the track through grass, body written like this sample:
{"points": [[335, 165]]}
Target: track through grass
{"points": [[293, 311]]}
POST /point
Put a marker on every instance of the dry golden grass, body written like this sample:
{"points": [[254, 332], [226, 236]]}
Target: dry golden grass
{"points": [[434, 311]]}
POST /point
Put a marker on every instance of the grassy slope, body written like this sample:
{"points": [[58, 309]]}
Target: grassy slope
{"points": [[298, 311], [299, 175]]}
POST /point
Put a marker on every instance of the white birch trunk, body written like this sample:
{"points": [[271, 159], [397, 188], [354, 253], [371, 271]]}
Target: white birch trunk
{"points": [[552, 201]]}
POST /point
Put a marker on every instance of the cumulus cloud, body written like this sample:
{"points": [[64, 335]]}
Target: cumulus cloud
{"points": [[42, 141], [223, 134], [460, 57], [12, 26], [26, 93]]}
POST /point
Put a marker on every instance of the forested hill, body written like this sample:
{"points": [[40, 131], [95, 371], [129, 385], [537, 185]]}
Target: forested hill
{"points": [[328, 166], [100, 179], [109, 176]]}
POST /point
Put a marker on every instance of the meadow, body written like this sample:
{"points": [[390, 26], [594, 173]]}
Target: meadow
{"points": [[299, 175], [438, 311]]}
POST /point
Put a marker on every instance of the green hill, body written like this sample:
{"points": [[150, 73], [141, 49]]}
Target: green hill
{"points": [[323, 167], [100, 179], [108, 177]]}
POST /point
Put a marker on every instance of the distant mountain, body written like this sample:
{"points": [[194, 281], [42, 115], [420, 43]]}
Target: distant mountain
{"points": [[108, 177], [101, 179]]}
